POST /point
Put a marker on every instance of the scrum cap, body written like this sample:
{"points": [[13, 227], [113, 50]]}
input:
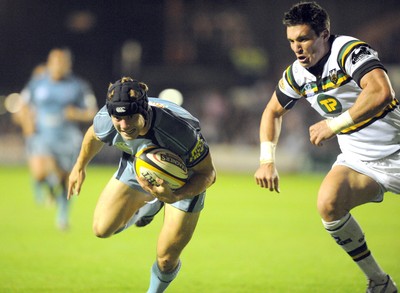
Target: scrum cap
{"points": [[126, 97]]}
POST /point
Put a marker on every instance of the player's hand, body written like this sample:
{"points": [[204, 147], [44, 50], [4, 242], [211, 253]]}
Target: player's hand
{"points": [[75, 181], [71, 113], [320, 132], [160, 190], [267, 177]]}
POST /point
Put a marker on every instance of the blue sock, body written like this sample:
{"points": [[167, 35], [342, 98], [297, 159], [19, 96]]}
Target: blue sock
{"points": [[159, 281], [62, 209], [38, 191]]}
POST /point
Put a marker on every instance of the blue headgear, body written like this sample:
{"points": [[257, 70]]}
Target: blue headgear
{"points": [[126, 97]]}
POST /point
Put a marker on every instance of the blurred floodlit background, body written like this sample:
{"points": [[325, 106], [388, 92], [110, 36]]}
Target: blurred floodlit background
{"points": [[220, 59]]}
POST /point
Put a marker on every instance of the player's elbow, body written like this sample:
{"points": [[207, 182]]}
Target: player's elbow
{"points": [[387, 95], [384, 93], [213, 177]]}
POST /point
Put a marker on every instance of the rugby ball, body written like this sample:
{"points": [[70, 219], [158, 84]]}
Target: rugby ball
{"points": [[156, 162]]}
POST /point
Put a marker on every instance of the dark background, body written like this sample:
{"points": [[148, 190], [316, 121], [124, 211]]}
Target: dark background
{"points": [[29, 29], [224, 56]]}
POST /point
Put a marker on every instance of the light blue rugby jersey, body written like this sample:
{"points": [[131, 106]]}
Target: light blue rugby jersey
{"points": [[172, 127], [50, 99]]}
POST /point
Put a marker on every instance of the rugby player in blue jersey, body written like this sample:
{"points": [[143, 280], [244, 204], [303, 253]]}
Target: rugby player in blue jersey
{"points": [[345, 82], [55, 103], [131, 121]]}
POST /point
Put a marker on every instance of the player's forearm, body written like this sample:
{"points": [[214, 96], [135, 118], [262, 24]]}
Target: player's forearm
{"points": [[80, 115], [270, 127], [271, 121], [90, 147], [203, 177], [377, 93]]}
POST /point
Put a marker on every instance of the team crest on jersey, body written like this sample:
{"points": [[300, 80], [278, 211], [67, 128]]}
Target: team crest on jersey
{"points": [[333, 76], [329, 104], [360, 54]]}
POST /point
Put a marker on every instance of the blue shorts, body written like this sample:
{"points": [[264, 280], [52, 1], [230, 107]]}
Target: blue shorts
{"points": [[126, 174], [64, 148]]}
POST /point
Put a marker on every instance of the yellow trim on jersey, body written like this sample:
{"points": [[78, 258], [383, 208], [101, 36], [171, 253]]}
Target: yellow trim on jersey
{"points": [[340, 82], [378, 116], [348, 50], [290, 80]]}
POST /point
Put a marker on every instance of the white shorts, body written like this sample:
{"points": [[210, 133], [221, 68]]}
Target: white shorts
{"points": [[386, 171]]}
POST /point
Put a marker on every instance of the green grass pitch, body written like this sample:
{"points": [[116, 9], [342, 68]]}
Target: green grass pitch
{"points": [[247, 240]]}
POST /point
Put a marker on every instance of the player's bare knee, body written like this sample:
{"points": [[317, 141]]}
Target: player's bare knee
{"points": [[102, 231], [327, 208]]}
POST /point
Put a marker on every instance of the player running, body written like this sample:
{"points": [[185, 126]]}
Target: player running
{"points": [[131, 121], [56, 101], [345, 82]]}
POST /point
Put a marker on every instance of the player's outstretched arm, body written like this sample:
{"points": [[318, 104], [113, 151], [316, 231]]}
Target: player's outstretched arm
{"points": [[266, 175], [91, 145]]}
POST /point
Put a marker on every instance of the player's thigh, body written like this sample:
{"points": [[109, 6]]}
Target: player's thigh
{"points": [[343, 189], [115, 206], [176, 232]]}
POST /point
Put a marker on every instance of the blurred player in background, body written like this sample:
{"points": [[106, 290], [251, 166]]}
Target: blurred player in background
{"points": [[55, 102], [131, 121], [345, 82]]}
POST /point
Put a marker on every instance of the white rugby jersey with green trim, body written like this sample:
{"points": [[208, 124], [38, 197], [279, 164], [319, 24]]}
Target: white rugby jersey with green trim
{"points": [[335, 88]]}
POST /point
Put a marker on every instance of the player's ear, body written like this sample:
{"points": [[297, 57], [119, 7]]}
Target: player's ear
{"points": [[326, 34]]}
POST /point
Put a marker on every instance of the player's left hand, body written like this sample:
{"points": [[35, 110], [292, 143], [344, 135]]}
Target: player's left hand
{"points": [[162, 191], [320, 132]]}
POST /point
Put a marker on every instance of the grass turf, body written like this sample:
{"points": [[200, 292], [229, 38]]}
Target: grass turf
{"points": [[247, 240]]}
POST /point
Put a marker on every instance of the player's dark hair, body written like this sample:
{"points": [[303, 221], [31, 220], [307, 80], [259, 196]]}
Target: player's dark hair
{"points": [[309, 13], [126, 97]]}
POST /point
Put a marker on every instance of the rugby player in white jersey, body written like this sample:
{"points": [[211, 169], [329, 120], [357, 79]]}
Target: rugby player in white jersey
{"points": [[345, 82], [131, 121]]}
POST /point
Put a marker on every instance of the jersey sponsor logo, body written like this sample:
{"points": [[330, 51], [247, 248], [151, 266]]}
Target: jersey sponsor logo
{"points": [[198, 150], [329, 104], [360, 54], [120, 109]]}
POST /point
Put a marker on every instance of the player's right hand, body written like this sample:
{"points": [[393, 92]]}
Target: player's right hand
{"points": [[267, 177], [75, 181]]}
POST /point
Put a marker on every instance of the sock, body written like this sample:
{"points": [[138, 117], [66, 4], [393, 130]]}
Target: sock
{"points": [[348, 234], [54, 184], [159, 281], [63, 209], [59, 193], [38, 191]]}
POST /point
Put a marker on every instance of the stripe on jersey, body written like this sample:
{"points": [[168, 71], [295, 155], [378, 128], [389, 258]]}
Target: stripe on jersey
{"points": [[346, 50], [342, 79], [389, 108], [290, 79]]}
